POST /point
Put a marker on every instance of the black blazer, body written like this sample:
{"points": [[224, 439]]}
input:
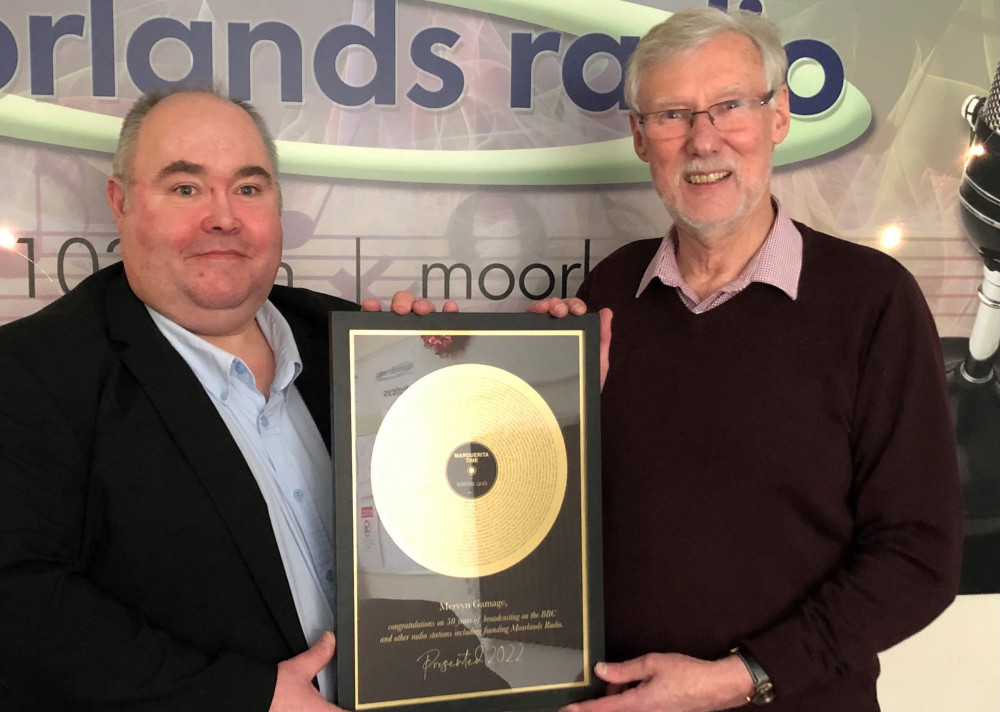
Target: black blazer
{"points": [[138, 568]]}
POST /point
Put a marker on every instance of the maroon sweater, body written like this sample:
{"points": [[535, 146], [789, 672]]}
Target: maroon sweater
{"points": [[778, 474]]}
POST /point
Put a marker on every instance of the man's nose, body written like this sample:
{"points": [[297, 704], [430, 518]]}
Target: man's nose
{"points": [[703, 136], [220, 216]]}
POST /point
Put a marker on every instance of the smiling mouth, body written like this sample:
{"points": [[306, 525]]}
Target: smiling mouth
{"points": [[219, 253], [707, 178]]}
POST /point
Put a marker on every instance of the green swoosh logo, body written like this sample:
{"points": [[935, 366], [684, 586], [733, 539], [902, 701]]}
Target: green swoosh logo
{"points": [[592, 163]]}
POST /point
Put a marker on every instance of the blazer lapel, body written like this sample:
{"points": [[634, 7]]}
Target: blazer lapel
{"points": [[313, 383], [201, 435]]}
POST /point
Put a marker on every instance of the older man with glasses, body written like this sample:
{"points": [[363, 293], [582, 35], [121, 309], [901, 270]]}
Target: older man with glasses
{"points": [[781, 496]]}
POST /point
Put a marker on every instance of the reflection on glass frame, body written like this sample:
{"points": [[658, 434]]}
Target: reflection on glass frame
{"points": [[467, 510]]}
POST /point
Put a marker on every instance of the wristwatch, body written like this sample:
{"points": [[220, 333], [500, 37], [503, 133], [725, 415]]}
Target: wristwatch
{"points": [[763, 688]]}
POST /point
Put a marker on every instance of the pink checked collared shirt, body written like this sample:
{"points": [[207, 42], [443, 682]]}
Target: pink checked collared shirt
{"points": [[778, 262]]}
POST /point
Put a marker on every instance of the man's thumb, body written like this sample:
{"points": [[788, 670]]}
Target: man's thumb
{"points": [[620, 673], [319, 655]]}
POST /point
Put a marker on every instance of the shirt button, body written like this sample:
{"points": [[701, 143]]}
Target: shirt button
{"points": [[224, 395], [264, 421], [240, 368], [329, 575], [299, 495]]}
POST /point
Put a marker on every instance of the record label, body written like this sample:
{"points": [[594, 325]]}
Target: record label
{"points": [[472, 470]]}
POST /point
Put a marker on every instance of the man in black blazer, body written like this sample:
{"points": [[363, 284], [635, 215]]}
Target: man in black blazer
{"points": [[138, 566]]}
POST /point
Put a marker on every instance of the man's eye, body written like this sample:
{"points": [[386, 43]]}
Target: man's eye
{"points": [[673, 115], [730, 105], [248, 190], [185, 190]]}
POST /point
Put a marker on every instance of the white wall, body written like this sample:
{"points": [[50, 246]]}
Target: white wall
{"points": [[953, 665]]}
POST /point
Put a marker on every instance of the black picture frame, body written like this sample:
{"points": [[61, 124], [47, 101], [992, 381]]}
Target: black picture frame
{"points": [[509, 617]]}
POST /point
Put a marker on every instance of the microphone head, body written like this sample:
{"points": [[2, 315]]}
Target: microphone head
{"points": [[979, 192]]}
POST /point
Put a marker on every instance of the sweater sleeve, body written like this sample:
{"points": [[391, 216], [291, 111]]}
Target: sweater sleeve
{"points": [[903, 566]]}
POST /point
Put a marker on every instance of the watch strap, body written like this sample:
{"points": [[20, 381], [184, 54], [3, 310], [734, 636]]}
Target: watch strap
{"points": [[763, 688]]}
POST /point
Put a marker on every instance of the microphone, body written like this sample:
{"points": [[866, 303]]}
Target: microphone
{"points": [[973, 383], [979, 200]]}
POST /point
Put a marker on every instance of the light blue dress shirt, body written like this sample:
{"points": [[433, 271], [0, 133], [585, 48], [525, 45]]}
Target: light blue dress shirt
{"points": [[287, 456]]}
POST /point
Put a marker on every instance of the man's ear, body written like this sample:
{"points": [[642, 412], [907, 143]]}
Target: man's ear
{"points": [[638, 140], [115, 192], [782, 115]]}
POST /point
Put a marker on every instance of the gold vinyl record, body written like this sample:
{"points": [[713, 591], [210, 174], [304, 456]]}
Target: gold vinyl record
{"points": [[468, 470]]}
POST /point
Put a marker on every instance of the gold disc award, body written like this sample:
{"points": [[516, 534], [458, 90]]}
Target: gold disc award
{"points": [[468, 470]]}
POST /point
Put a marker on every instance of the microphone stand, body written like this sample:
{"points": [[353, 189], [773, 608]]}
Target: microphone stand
{"points": [[977, 368]]}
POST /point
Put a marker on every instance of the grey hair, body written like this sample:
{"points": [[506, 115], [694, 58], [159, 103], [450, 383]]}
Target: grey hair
{"points": [[124, 158], [691, 28]]}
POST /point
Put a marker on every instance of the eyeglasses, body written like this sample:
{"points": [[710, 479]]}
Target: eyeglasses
{"points": [[729, 115]]}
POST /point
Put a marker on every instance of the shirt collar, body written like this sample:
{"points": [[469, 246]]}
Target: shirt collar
{"points": [[777, 262], [216, 368]]}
